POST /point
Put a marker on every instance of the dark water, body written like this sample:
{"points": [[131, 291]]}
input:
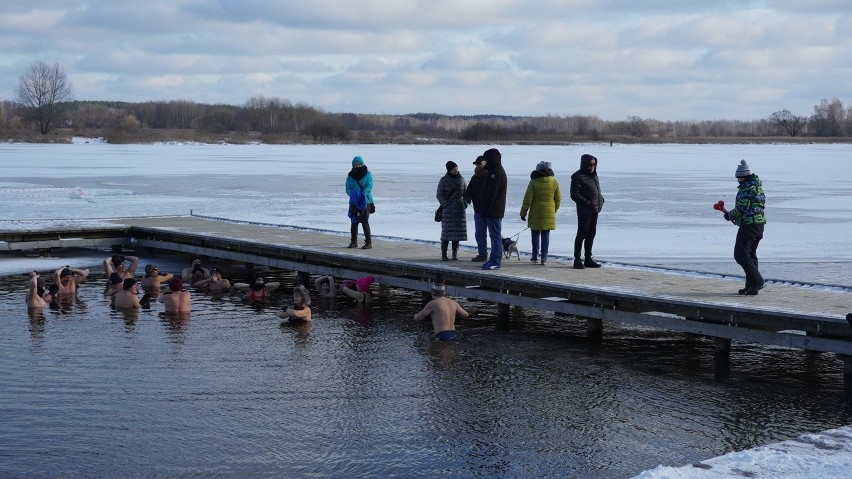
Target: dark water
{"points": [[86, 392]]}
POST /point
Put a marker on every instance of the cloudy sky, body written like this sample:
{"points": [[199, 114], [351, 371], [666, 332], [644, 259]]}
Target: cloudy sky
{"points": [[662, 59]]}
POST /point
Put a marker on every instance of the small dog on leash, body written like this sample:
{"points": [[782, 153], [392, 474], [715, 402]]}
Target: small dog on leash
{"points": [[510, 246]]}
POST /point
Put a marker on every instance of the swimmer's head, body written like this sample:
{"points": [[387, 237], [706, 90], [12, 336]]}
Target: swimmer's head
{"points": [[176, 284], [128, 283], [301, 296], [150, 268], [215, 272], [114, 279], [65, 273], [438, 289], [196, 261], [364, 283], [118, 260]]}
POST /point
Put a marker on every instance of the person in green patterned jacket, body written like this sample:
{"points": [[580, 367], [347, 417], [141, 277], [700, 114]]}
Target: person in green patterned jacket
{"points": [[748, 215]]}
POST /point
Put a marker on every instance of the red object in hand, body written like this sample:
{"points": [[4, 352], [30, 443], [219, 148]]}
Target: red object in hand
{"points": [[720, 206]]}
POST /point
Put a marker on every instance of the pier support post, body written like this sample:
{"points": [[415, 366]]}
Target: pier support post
{"points": [[722, 357], [503, 311], [304, 279], [847, 376], [594, 328]]}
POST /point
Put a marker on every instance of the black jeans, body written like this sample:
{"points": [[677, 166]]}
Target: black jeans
{"points": [[745, 253], [587, 226]]}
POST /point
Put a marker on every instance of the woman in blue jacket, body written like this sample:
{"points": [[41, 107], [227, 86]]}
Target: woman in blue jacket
{"points": [[360, 180]]}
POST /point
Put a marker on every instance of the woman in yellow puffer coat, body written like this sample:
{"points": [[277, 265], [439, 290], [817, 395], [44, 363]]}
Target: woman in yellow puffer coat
{"points": [[541, 201]]}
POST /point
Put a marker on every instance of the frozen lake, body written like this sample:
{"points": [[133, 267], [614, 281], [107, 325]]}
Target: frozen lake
{"points": [[88, 392], [658, 209]]}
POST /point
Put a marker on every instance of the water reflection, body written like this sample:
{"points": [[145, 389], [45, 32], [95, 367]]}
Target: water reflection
{"points": [[378, 397]]}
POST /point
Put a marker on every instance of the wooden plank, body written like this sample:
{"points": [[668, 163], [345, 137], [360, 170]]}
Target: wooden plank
{"points": [[692, 304]]}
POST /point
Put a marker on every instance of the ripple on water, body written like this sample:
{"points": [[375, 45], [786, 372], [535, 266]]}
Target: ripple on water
{"points": [[89, 392]]}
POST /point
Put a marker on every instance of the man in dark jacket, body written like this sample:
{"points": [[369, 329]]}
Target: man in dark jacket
{"points": [[473, 194], [586, 192], [494, 205]]}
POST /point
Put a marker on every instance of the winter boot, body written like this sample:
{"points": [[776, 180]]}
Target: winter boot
{"points": [[368, 238], [455, 250], [590, 263], [578, 264], [444, 245], [353, 234]]}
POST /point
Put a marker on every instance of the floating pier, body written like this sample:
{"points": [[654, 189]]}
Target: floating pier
{"points": [[783, 314]]}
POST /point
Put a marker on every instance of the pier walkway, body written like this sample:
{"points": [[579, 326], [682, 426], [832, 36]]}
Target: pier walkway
{"points": [[783, 314]]}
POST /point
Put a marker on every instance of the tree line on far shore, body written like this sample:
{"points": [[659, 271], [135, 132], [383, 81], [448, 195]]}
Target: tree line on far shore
{"points": [[45, 110]]}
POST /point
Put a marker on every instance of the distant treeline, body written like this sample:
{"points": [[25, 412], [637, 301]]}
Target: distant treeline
{"points": [[275, 120]]}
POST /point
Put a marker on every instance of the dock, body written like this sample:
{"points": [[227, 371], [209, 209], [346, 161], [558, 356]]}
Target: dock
{"points": [[783, 314]]}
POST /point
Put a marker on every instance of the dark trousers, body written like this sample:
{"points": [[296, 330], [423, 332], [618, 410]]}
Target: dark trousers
{"points": [[587, 226], [362, 217], [745, 253]]}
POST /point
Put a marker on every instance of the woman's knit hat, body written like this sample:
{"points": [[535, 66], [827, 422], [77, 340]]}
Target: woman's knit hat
{"points": [[176, 284], [450, 165], [357, 161], [743, 170], [364, 283], [543, 166]]}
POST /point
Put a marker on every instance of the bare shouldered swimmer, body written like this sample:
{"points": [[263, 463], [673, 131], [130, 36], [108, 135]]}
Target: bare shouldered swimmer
{"points": [[35, 293], [300, 310], [128, 296], [177, 300], [68, 279], [154, 278], [215, 284], [358, 290], [118, 264], [443, 311], [195, 273]]}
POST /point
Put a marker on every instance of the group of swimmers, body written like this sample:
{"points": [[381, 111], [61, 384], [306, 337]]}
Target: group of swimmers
{"points": [[123, 288]]}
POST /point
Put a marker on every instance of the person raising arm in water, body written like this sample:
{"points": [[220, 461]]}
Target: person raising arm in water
{"points": [[35, 299], [68, 279], [116, 264], [215, 284]]}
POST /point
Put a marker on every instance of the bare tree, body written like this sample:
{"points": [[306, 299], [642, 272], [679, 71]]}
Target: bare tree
{"points": [[828, 118], [43, 90], [788, 122]]}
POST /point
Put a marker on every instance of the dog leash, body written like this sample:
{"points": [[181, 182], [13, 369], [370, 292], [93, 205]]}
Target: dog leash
{"points": [[519, 233]]}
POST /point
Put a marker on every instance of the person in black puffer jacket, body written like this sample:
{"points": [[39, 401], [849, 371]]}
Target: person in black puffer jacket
{"points": [[586, 192], [494, 205]]}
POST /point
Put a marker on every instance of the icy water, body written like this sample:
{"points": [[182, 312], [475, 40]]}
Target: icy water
{"points": [[87, 392]]}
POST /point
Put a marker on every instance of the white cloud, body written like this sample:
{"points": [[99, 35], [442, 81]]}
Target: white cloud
{"points": [[662, 59]]}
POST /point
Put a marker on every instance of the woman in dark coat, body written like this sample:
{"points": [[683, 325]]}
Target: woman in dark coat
{"points": [[586, 192], [450, 195]]}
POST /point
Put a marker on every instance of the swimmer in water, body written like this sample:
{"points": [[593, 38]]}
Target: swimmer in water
{"points": [[358, 290], [443, 311], [259, 289], [128, 296], [177, 300], [215, 284], [300, 310]]}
